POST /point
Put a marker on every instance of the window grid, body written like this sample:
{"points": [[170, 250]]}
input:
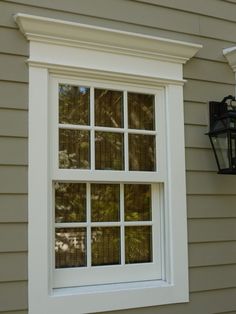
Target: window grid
{"points": [[126, 131], [122, 223], [92, 123]]}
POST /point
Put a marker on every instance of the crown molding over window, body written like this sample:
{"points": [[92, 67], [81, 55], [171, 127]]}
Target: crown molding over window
{"points": [[230, 55], [72, 34]]}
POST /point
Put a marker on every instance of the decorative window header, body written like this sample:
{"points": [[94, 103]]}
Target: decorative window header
{"points": [[72, 34], [230, 55]]}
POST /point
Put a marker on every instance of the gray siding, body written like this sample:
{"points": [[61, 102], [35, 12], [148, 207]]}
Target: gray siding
{"points": [[211, 198]]}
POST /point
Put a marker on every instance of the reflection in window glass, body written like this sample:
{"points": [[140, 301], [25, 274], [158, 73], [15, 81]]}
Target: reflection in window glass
{"points": [[70, 202], [109, 151], [138, 244], [137, 202], [142, 153], [141, 111], [105, 246], [74, 149], [105, 202], [108, 108], [70, 247], [74, 102]]}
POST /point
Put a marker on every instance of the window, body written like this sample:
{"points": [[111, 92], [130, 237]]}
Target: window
{"points": [[106, 168], [103, 219]]}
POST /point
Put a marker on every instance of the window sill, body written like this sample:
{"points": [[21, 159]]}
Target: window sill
{"points": [[111, 297]]}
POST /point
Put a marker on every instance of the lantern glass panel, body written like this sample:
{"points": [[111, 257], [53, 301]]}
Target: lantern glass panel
{"points": [[232, 123], [220, 124], [220, 145], [233, 150]]}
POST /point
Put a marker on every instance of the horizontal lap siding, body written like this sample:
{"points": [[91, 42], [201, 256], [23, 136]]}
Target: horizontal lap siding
{"points": [[13, 170], [212, 254], [205, 302], [15, 312], [211, 198], [13, 295]]}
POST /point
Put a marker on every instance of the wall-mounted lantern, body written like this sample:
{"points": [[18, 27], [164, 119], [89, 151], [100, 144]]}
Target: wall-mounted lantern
{"points": [[222, 133]]}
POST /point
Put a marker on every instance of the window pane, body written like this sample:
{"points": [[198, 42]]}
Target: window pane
{"points": [[141, 111], [70, 202], [109, 151], [105, 246], [138, 244], [74, 149], [74, 104], [105, 202], [142, 153], [70, 247], [108, 108], [221, 145], [137, 202]]}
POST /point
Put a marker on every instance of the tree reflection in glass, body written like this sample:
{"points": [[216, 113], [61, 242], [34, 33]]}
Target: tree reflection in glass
{"points": [[108, 108], [105, 246], [105, 202], [70, 202], [142, 154], [70, 247], [74, 104], [74, 149], [141, 111], [138, 244], [138, 202], [109, 151]]}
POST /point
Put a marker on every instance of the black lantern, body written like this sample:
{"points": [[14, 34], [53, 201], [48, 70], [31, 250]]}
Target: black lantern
{"points": [[222, 134]]}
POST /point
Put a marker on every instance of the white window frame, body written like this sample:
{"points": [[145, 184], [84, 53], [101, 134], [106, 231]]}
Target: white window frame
{"points": [[114, 273], [77, 50]]}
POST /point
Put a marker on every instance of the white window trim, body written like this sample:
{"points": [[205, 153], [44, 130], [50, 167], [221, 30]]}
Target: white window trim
{"points": [[230, 55], [75, 49]]}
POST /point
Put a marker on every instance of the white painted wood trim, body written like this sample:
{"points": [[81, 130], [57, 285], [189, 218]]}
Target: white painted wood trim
{"points": [[230, 55], [62, 49], [98, 38]]}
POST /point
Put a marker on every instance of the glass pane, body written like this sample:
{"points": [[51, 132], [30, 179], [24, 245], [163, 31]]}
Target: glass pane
{"points": [[105, 202], [220, 143], [74, 104], [138, 244], [108, 108], [70, 202], [109, 151], [74, 149], [138, 202], [142, 153], [233, 145], [141, 111], [105, 246], [70, 247]]}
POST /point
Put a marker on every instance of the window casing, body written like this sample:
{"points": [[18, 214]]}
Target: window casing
{"points": [[109, 57]]}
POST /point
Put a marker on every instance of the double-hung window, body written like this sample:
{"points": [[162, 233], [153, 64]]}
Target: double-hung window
{"points": [[107, 197], [107, 149]]}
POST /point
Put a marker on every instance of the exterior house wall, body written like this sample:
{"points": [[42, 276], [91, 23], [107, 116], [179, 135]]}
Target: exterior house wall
{"points": [[211, 198]]}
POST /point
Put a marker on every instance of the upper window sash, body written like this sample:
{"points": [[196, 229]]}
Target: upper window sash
{"points": [[91, 173]]}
